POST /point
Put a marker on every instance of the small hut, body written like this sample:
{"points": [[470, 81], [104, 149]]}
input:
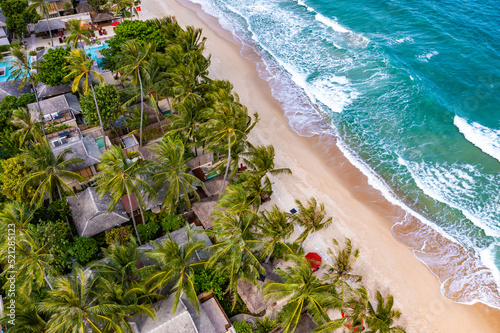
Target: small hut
{"points": [[102, 18], [84, 8]]}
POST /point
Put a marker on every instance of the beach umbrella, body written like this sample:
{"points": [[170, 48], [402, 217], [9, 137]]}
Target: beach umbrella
{"points": [[114, 24], [314, 260], [60, 33]]}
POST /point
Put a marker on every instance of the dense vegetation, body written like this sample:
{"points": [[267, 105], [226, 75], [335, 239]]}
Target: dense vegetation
{"points": [[158, 60]]}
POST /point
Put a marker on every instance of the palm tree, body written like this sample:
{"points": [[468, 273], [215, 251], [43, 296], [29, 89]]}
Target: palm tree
{"points": [[28, 319], [15, 215], [339, 271], [78, 33], [255, 189], [80, 67], [49, 172], [120, 176], [233, 254], [118, 6], [187, 120], [228, 128], [134, 56], [236, 201], [171, 168], [75, 305], [21, 69], [177, 263], [31, 266], [260, 160], [304, 291], [381, 318], [44, 12], [29, 126], [311, 218], [274, 228]]}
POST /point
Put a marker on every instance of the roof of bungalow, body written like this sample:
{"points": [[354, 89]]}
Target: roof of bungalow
{"points": [[146, 153], [101, 17], [51, 105], [203, 210], [86, 148], [12, 88], [73, 103], [84, 8], [252, 295], [89, 213], [46, 91], [54, 24], [183, 320], [3, 94]]}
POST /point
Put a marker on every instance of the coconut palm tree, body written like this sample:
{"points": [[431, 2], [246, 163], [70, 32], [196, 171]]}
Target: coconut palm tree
{"points": [[120, 176], [339, 271], [255, 188], [134, 56], [49, 173], [44, 12], [28, 319], [15, 215], [312, 218], [274, 228], [75, 305], [28, 124], [21, 70], [187, 120], [236, 201], [260, 160], [233, 254], [31, 266], [78, 33], [381, 318], [177, 263], [171, 168], [81, 73], [304, 291], [227, 129], [118, 6]]}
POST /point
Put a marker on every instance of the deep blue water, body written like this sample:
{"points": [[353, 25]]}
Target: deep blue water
{"points": [[412, 92]]}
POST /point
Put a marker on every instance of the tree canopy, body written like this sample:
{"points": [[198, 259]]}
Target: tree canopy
{"points": [[51, 70], [109, 102]]}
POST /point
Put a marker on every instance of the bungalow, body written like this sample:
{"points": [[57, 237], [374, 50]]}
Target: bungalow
{"points": [[4, 31], [54, 111], [90, 215]]}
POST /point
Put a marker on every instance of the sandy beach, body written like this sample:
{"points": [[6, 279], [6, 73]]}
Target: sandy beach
{"points": [[319, 169]]}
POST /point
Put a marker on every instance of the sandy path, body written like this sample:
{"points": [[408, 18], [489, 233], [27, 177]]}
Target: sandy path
{"points": [[360, 213]]}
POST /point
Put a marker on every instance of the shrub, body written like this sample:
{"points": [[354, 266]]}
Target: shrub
{"points": [[32, 53], [206, 280], [56, 210], [147, 231], [84, 249], [25, 99], [243, 327], [51, 69], [172, 222], [280, 251], [119, 235]]}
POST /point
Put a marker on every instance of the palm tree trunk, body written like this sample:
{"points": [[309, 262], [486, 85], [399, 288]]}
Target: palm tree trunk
{"points": [[50, 32], [158, 114], [99, 114], [133, 218], [38, 103], [47, 280], [67, 220], [142, 106], [227, 167]]}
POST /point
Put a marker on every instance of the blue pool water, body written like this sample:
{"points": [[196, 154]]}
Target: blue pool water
{"points": [[100, 142], [410, 89], [5, 64], [92, 50]]}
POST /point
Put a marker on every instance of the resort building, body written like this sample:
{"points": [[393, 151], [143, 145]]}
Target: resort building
{"points": [[4, 32]]}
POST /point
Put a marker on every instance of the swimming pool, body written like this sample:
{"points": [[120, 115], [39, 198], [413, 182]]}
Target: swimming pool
{"points": [[92, 50], [5, 64], [100, 142]]}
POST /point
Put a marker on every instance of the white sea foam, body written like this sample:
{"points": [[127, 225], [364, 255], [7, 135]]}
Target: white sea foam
{"points": [[486, 139], [489, 259], [427, 56], [331, 23]]}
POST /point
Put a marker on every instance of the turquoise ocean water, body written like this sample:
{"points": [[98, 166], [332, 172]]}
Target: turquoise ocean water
{"points": [[411, 90]]}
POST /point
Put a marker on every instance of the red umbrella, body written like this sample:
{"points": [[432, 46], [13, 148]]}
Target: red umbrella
{"points": [[114, 24], [314, 260]]}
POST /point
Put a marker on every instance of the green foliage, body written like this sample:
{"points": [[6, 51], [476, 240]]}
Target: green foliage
{"points": [[56, 210], [25, 99], [172, 222], [210, 280], [119, 235], [55, 127], [148, 231], [16, 14], [51, 70], [84, 249], [13, 171], [266, 325], [109, 102], [281, 252], [56, 236], [243, 327]]}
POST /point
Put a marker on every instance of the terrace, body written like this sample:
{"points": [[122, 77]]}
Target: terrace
{"points": [[63, 137], [53, 111]]}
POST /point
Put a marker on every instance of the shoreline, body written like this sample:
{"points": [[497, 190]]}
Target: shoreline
{"points": [[321, 170]]}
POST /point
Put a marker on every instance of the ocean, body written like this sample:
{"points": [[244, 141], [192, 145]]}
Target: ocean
{"points": [[411, 92]]}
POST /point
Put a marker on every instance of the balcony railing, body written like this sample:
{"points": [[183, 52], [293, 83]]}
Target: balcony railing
{"points": [[61, 138]]}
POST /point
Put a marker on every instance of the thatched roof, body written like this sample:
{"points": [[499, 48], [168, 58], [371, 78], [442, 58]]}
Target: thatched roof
{"points": [[101, 17], [84, 8], [86, 148], [213, 185], [252, 295], [89, 213], [43, 26], [203, 210], [146, 153]]}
